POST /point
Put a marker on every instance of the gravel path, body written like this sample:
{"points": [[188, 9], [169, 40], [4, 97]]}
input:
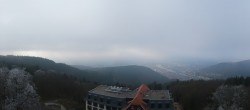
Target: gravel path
{"points": [[55, 104]]}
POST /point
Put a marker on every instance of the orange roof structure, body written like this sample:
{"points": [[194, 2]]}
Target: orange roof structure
{"points": [[138, 98]]}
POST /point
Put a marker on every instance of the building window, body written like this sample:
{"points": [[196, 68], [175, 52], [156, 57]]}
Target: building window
{"points": [[95, 104], [152, 105], [159, 105], [108, 107], [95, 98], [95, 109], [101, 106], [89, 102], [89, 96], [89, 108], [167, 105], [114, 108], [119, 104], [108, 101], [101, 99]]}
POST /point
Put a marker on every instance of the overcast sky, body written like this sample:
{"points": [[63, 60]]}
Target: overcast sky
{"points": [[122, 31]]}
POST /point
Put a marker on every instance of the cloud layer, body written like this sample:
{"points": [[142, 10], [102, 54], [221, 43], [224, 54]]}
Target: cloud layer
{"points": [[84, 31]]}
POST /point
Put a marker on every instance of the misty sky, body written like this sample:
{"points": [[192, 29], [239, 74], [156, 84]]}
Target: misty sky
{"points": [[126, 31]]}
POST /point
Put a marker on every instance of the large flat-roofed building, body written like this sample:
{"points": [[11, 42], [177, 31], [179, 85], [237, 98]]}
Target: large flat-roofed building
{"points": [[120, 98]]}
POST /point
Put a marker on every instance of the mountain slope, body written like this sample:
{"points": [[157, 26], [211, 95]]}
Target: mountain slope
{"points": [[241, 68], [82, 67], [34, 63], [132, 75]]}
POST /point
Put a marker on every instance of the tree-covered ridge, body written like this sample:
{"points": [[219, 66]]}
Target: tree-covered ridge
{"points": [[53, 86], [229, 69], [194, 94], [34, 63], [234, 81], [230, 94], [128, 75]]}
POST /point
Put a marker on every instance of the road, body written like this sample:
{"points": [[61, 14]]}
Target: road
{"points": [[55, 105]]}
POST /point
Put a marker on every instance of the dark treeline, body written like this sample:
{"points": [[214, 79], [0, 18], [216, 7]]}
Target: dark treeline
{"points": [[238, 81], [197, 94], [192, 94], [52, 85]]}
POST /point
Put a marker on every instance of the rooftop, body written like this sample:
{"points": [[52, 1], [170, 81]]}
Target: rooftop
{"points": [[121, 92]]}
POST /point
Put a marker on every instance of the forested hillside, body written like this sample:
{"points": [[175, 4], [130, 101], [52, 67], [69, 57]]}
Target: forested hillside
{"points": [[129, 75], [228, 69], [68, 89], [25, 91], [230, 94], [34, 63]]}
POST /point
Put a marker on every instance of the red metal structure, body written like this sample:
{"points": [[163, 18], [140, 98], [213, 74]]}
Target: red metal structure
{"points": [[137, 102]]}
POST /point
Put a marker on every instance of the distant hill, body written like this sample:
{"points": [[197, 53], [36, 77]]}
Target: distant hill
{"points": [[130, 75], [82, 67], [228, 69], [33, 64]]}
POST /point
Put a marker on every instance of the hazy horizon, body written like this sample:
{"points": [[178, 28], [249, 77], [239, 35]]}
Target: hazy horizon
{"points": [[123, 32]]}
